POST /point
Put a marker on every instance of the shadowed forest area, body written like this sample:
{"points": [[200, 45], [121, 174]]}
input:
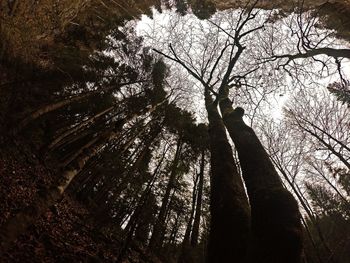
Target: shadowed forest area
{"points": [[175, 131]]}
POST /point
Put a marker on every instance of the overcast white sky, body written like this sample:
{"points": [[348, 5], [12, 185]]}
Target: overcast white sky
{"points": [[166, 27]]}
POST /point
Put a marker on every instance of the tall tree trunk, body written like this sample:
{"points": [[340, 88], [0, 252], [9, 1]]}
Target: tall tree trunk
{"points": [[307, 208], [59, 104], [135, 218], [196, 223], [58, 140], [78, 152], [142, 231], [276, 220], [175, 230], [19, 223], [156, 237], [109, 185], [327, 145], [193, 207], [110, 182], [229, 208], [185, 255]]}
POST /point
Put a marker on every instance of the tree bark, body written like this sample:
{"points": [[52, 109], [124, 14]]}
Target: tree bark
{"points": [[59, 104], [308, 211], [327, 145], [57, 141], [332, 52], [193, 206], [110, 182], [185, 255], [174, 230], [135, 221], [83, 148], [159, 226], [21, 221], [229, 208], [48, 108], [196, 223], [135, 218], [276, 220]]}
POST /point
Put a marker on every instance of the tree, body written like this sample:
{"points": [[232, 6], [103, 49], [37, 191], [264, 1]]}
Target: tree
{"points": [[197, 218], [266, 192], [130, 66], [309, 148], [119, 128], [22, 220], [80, 149], [328, 130], [334, 212], [309, 41], [158, 231], [341, 92], [276, 223], [229, 209]]}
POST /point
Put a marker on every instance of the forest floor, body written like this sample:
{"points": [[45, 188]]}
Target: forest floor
{"points": [[62, 234]]}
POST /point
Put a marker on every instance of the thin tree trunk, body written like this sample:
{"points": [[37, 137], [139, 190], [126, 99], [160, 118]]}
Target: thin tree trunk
{"points": [[196, 223], [193, 207], [276, 220], [306, 207], [229, 208], [156, 237], [110, 181], [86, 146], [59, 104], [84, 180], [185, 255], [175, 230], [78, 135], [328, 146], [48, 108], [21, 221], [167, 220], [141, 226], [57, 141], [315, 247], [145, 196]]}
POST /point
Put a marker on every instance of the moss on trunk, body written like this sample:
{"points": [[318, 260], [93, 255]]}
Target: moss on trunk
{"points": [[276, 222], [229, 208]]}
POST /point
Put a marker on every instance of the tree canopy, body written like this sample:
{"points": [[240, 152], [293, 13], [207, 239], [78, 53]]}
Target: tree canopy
{"points": [[174, 131]]}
